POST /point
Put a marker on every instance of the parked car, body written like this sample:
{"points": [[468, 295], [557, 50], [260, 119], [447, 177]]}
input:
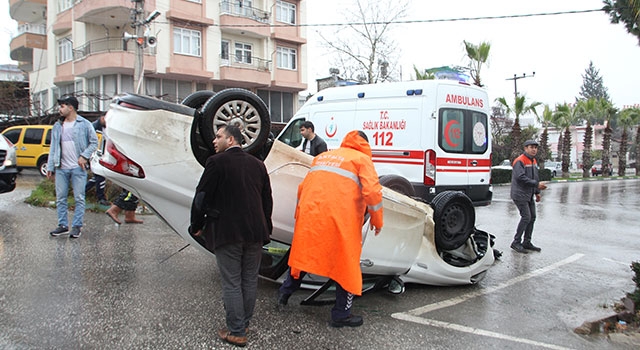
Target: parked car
{"points": [[8, 168], [32, 145], [157, 150], [596, 169], [554, 167], [505, 164]]}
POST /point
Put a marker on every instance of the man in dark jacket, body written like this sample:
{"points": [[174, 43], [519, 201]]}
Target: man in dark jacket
{"points": [[232, 210], [313, 144], [525, 184]]}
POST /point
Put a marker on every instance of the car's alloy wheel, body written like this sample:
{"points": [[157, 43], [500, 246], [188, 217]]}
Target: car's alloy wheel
{"points": [[237, 107], [454, 218], [42, 166]]}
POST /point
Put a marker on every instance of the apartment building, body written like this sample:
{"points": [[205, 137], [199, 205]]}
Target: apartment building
{"points": [[77, 47]]}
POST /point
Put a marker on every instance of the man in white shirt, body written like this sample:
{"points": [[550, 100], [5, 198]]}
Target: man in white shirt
{"points": [[73, 140]]}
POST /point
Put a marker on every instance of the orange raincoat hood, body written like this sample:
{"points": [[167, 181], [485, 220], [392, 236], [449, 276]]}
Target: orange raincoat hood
{"points": [[332, 200]]}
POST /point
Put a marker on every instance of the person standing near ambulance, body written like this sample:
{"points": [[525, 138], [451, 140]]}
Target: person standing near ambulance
{"points": [[525, 185], [327, 239], [313, 144]]}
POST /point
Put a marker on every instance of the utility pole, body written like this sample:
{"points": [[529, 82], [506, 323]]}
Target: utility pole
{"points": [[515, 82], [138, 73]]}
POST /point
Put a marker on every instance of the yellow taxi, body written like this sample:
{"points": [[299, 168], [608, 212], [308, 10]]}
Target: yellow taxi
{"points": [[32, 145]]}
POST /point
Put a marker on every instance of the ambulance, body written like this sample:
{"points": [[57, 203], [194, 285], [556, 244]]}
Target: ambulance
{"points": [[426, 136]]}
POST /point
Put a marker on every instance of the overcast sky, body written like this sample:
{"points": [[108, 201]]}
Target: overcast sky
{"points": [[558, 48]]}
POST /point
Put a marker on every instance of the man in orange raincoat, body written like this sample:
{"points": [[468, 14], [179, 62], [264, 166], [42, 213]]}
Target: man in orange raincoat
{"points": [[327, 239]]}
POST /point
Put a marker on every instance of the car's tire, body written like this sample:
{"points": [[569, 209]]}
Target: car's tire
{"points": [[201, 149], [239, 107], [454, 218], [42, 166], [197, 99], [398, 184]]}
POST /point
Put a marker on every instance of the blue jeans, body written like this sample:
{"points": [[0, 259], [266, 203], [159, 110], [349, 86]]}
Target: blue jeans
{"points": [[77, 177], [239, 264]]}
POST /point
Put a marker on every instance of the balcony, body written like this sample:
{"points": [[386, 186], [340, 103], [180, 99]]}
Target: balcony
{"points": [[108, 56], [110, 13], [244, 20], [28, 10], [243, 71], [29, 37]]}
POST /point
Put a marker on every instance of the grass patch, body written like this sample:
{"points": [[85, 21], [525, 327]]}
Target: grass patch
{"points": [[44, 195]]}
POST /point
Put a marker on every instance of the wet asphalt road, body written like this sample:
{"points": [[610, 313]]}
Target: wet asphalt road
{"points": [[119, 286]]}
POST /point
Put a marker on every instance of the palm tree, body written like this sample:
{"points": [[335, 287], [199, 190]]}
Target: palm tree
{"points": [[544, 151], [588, 110], [609, 116], [565, 117], [423, 76], [628, 118], [519, 108], [478, 55]]}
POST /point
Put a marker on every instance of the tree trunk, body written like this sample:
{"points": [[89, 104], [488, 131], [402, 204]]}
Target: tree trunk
{"points": [[586, 152], [638, 151], [566, 153], [622, 154], [516, 139], [543, 150], [606, 146]]}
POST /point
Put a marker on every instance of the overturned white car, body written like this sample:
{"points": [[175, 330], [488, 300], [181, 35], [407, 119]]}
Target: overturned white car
{"points": [[157, 150]]}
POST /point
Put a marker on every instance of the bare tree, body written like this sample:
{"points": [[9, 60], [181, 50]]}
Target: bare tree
{"points": [[364, 48]]}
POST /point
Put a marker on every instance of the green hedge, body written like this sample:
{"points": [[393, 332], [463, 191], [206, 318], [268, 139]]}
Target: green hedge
{"points": [[503, 176]]}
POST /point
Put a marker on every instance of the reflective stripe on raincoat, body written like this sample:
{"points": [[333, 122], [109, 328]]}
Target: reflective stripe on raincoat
{"points": [[332, 199]]}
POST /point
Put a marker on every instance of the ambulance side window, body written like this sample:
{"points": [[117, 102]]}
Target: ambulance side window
{"points": [[462, 131], [480, 136], [451, 127], [291, 136]]}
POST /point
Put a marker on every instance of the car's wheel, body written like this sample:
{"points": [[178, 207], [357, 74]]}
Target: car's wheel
{"points": [[42, 166], [553, 174], [398, 184], [237, 107], [455, 219], [201, 149]]}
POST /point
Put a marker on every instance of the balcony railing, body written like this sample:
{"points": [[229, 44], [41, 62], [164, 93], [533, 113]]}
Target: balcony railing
{"points": [[244, 61], [32, 28], [107, 45], [236, 8]]}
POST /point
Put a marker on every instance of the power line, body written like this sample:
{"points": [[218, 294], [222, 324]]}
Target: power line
{"points": [[459, 19]]}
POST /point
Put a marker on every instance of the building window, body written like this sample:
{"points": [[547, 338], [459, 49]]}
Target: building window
{"points": [[280, 104], [287, 58], [243, 53], [64, 5], [186, 41], [65, 50], [285, 12], [224, 50]]}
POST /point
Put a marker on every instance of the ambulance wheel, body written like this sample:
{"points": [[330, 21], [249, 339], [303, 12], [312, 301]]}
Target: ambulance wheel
{"points": [[201, 150], [398, 184], [455, 219], [237, 107]]}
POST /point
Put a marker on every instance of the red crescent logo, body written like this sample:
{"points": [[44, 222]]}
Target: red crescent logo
{"points": [[447, 133], [331, 129]]}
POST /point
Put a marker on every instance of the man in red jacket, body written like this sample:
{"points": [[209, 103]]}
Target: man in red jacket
{"points": [[327, 239]]}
